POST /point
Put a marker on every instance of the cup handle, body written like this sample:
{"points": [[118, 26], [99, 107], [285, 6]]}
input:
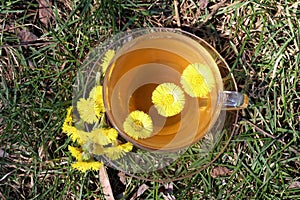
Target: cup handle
{"points": [[234, 100]]}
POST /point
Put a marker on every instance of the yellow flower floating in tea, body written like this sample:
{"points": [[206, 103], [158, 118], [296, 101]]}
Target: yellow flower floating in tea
{"points": [[138, 125], [168, 99], [197, 80]]}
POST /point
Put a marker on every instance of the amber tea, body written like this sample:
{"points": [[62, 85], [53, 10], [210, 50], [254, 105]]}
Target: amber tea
{"points": [[143, 64]]}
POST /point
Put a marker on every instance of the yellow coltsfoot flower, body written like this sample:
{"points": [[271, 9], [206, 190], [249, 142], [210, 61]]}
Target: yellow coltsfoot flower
{"points": [[116, 152], [92, 108], [96, 96], [72, 132], [68, 127], [86, 111], [138, 125], [168, 99], [103, 136], [197, 80], [84, 166]]}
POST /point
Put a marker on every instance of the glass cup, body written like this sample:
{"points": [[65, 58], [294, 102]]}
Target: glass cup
{"points": [[147, 58]]}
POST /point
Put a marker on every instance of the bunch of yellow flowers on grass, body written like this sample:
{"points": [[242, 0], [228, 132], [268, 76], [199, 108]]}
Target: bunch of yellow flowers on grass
{"points": [[101, 140]]}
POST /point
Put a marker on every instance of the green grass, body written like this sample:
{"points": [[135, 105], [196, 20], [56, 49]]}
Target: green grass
{"points": [[260, 40]]}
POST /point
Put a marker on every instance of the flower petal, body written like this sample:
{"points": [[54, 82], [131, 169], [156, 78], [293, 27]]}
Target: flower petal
{"points": [[75, 152], [106, 60], [126, 147], [72, 132], [69, 118]]}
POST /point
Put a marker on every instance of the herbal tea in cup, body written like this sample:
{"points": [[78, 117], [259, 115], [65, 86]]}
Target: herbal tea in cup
{"points": [[163, 90]]}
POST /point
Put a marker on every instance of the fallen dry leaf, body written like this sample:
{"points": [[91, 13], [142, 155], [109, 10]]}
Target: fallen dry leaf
{"points": [[3, 154], [122, 177], [203, 4], [25, 36], [167, 192], [105, 184], [294, 185], [140, 191], [220, 171], [45, 12]]}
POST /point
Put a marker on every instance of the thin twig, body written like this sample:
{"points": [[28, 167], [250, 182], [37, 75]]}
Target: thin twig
{"points": [[271, 136], [177, 13], [26, 44]]}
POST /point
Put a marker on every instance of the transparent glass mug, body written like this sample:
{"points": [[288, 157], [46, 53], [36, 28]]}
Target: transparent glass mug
{"points": [[147, 58]]}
